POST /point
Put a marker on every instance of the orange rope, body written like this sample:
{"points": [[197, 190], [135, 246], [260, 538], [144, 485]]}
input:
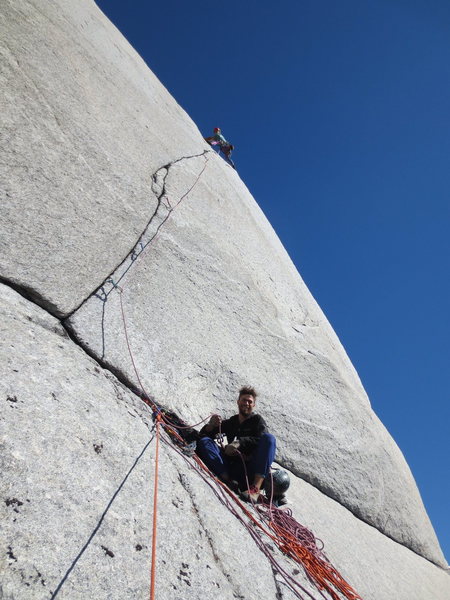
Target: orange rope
{"points": [[155, 513], [320, 571]]}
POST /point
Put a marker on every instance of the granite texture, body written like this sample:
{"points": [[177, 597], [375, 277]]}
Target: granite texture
{"points": [[213, 302], [115, 211], [77, 478], [80, 117]]}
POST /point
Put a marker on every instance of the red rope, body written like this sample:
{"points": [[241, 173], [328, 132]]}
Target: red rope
{"points": [[169, 422], [129, 346], [155, 513], [146, 399], [299, 543], [292, 538]]}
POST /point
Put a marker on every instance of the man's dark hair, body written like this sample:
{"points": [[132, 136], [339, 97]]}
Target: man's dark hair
{"points": [[247, 390]]}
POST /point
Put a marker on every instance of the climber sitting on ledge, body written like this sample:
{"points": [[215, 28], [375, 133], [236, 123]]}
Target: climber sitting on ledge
{"points": [[248, 440]]}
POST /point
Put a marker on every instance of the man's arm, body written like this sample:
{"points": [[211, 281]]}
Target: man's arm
{"points": [[211, 429]]}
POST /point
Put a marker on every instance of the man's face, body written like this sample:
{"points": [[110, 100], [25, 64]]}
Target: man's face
{"points": [[246, 404]]}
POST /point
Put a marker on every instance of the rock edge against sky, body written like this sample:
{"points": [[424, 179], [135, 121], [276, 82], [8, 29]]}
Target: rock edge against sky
{"points": [[96, 156]]}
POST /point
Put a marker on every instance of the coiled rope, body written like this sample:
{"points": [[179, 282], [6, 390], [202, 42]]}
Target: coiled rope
{"points": [[279, 526]]}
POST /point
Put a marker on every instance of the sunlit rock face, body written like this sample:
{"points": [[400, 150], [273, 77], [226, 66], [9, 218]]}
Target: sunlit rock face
{"points": [[116, 212]]}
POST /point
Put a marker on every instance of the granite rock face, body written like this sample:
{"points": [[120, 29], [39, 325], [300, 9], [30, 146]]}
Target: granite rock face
{"points": [[77, 473], [80, 138], [117, 214], [214, 301], [76, 446]]}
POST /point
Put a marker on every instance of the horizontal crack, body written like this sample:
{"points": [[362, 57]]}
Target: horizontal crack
{"points": [[29, 293]]}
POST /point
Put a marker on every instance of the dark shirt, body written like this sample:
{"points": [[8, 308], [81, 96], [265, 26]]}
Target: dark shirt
{"points": [[248, 432]]}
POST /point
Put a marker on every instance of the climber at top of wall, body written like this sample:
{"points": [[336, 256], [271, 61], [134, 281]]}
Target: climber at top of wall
{"points": [[249, 441], [225, 147]]}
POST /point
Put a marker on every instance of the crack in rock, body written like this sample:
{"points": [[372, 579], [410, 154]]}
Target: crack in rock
{"points": [[39, 298], [163, 210], [188, 489], [283, 461], [279, 591]]}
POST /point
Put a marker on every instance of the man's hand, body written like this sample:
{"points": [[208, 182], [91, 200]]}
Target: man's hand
{"points": [[214, 422], [232, 449]]}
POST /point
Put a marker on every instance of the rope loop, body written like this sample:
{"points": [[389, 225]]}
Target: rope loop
{"points": [[101, 295], [136, 253], [114, 284]]}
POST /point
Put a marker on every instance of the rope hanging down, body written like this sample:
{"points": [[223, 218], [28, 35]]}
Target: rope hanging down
{"points": [[155, 512], [292, 538], [140, 246], [157, 413]]}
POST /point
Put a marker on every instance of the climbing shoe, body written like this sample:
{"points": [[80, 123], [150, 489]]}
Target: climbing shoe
{"points": [[251, 495], [231, 484]]}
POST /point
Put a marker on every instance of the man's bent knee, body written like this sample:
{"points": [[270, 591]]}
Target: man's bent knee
{"points": [[206, 444], [268, 439], [202, 443]]}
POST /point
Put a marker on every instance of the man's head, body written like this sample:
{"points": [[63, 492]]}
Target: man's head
{"points": [[216, 129], [246, 401]]}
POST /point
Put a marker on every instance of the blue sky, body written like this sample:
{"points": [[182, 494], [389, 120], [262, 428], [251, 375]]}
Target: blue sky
{"points": [[339, 113]]}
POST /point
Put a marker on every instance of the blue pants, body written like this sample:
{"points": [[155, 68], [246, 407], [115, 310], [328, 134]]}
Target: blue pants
{"points": [[225, 151], [258, 463], [227, 156]]}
